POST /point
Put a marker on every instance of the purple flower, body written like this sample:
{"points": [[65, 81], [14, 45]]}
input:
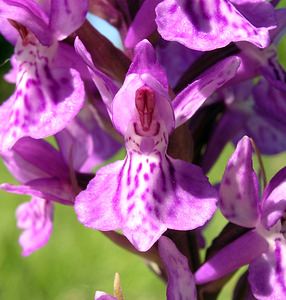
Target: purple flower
{"points": [[205, 24], [181, 283], [264, 245], [103, 296], [149, 191], [49, 91]]}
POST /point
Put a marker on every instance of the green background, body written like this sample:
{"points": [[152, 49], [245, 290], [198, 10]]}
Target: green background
{"points": [[77, 261]]}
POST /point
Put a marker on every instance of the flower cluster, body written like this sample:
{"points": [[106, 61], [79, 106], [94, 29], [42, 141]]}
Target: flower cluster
{"points": [[190, 77]]}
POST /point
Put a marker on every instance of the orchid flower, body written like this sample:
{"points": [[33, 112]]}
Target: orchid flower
{"points": [[149, 191], [49, 90], [204, 24], [49, 175], [263, 247]]}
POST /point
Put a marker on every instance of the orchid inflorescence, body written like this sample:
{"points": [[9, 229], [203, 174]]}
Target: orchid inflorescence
{"points": [[191, 76]]}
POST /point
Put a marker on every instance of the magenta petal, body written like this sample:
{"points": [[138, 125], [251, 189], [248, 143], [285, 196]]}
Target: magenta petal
{"points": [[137, 31], [195, 94], [67, 16], [267, 274], [30, 159], [207, 24], [181, 284], [35, 218], [8, 31], [51, 189], [45, 100], [274, 199], [239, 198], [107, 88], [240, 252]]}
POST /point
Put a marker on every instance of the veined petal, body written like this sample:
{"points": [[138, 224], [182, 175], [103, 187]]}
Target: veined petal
{"points": [[240, 252], [45, 100], [181, 283], [67, 16], [137, 31], [206, 24], [239, 193], [195, 94], [85, 143], [274, 200], [267, 274], [30, 14], [35, 218], [146, 193]]}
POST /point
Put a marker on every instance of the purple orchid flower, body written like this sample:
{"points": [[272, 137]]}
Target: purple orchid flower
{"points": [[49, 90], [205, 24], [49, 175], [149, 191], [181, 283], [264, 245]]}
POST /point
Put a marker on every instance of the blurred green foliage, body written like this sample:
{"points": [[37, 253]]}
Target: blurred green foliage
{"points": [[77, 261]]}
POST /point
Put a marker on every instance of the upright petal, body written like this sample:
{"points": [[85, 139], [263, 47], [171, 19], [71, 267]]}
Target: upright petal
{"points": [[106, 87], [35, 218], [181, 284], [267, 273], [67, 16], [103, 296], [239, 193], [207, 24], [195, 94]]}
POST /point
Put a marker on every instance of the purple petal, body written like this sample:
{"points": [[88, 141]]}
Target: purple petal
{"points": [[240, 252], [67, 16], [145, 61], [181, 284], [137, 31], [51, 189], [144, 195], [103, 296], [85, 143], [31, 159], [30, 14], [105, 85], [195, 94], [274, 200], [45, 100], [206, 24], [267, 274], [35, 218], [239, 193], [144, 72]]}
